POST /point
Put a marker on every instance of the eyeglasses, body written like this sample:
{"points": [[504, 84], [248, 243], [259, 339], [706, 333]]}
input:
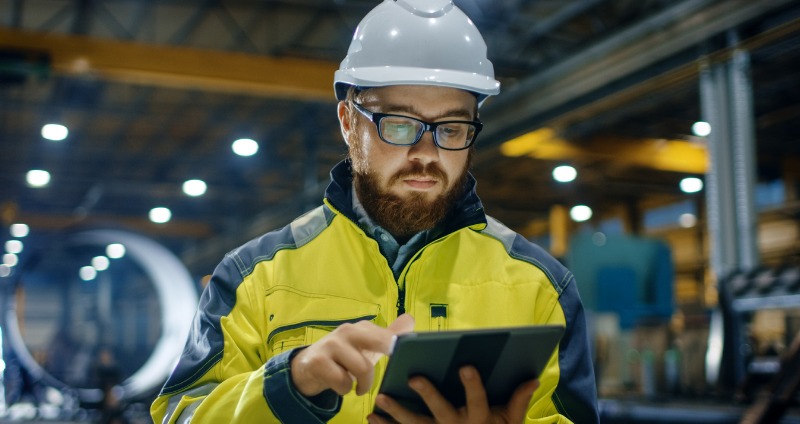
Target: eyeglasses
{"points": [[402, 130]]}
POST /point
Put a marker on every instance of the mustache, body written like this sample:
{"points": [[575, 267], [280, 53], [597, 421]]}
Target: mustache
{"points": [[418, 170]]}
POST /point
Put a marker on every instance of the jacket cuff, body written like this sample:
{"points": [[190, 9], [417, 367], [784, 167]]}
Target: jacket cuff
{"points": [[287, 403]]}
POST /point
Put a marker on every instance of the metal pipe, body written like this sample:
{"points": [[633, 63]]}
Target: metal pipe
{"points": [[719, 190], [744, 157]]}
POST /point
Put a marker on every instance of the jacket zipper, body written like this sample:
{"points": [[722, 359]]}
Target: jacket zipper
{"points": [[401, 300], [401, 292]]}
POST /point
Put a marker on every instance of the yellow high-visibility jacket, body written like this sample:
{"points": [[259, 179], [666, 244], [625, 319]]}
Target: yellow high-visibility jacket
{"points": [[291, 287]]}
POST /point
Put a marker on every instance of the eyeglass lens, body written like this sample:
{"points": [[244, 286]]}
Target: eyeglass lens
{"points": [[449, 135]]}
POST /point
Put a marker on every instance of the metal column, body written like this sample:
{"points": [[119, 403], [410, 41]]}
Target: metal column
{"points": [[726, 99], [719, 180], [744, 157], [727, 104]]}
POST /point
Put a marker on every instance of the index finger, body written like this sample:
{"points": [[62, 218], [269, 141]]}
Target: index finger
{"points": [[367, 336], [403, 324]]}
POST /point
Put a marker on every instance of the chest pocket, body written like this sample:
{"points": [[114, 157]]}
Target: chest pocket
{"points": [[296, 318]]}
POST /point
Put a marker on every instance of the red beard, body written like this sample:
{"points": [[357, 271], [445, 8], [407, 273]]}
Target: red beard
{"points": [[405, 217]]}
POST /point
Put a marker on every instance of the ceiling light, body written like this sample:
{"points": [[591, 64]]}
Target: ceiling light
{"points": [[687, 220], [195, 188], [564, 173], [245, 147], [38, 178], [580, 213], [691, 185], [701, 128], [5, 271], [100, 263], [19, 230], [14, 246], [115, 250], [160, 215], [87, 273], [10, 259], [55, 132]]}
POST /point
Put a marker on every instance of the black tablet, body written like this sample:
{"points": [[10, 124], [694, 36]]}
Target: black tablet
{"points": [[504, 357]]}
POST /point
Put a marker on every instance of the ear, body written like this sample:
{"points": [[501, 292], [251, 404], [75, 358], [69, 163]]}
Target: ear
{"points": [[344, 121]]}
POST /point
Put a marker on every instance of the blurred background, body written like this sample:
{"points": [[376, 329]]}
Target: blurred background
{"points": [[650, 145]]}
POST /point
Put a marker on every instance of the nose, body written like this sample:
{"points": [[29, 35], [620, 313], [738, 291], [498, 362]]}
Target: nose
{"points": [[425, 151]]}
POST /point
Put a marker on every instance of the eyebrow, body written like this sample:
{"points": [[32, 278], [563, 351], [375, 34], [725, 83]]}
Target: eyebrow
{"points": [[455, 112]]}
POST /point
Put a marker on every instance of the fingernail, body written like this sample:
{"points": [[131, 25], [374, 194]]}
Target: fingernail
{"points": [[381, 401], [467, 373], [415, 384]]}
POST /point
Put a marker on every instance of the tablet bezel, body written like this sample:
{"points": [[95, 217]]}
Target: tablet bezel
{"points": [[505, 357]]}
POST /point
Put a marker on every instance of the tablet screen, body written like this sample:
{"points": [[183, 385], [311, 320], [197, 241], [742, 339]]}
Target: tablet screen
{"points": [[504, 357]]}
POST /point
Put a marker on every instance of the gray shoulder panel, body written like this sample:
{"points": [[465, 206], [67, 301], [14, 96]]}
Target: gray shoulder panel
{"points": [[522, 249], [500, 232], [308, 226]]}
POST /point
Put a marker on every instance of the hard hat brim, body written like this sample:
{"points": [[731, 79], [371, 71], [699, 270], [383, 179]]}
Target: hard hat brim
{"points": [[383, 76]]}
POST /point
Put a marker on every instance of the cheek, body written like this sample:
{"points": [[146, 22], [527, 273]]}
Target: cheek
{"points": [[454, 164], [382, 157]]}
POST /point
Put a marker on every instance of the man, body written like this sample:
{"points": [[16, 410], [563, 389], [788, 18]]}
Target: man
{"points": [[293, 325]]}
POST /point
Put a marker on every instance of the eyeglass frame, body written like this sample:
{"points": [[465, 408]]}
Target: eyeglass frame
{"points": [[376, 117]]}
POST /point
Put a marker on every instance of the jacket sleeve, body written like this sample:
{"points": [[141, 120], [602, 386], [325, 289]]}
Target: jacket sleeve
{"points": [[224, 374], [575, 396], [567, 392]]}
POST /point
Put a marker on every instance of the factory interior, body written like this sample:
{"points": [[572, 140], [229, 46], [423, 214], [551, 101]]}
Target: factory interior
{"points": [[646, 144]]}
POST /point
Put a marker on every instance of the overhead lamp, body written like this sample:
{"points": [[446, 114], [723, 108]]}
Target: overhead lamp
{"points": [[100, 263], [564, 173], [160, 215], [14, 246], [37, 178], [10, 259], [195, 188], [87, 273], [245, 147], [115, 250], [580, 213], [687, 220], [19, 230], [701, 128], [5, 270], [54, 132], [691, 185]]}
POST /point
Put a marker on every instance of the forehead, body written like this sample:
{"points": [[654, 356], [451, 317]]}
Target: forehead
{"points": [[426, 99]]}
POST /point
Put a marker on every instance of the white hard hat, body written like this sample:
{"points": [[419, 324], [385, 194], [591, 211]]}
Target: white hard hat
{"points": [[417, 42]]}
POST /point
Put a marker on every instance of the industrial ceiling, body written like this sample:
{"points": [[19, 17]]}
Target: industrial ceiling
{"points": [[154, 92]]}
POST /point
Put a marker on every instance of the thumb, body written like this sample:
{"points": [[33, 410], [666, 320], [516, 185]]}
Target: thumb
{"points": [[403, 324]]}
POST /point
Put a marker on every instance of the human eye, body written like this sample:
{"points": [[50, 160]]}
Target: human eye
{"points": [[453, 130]]}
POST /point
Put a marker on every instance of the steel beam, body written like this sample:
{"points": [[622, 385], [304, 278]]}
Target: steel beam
{"points": [[530, 103], [179, 67], [566, 13], [177, 228], [665, 155]]}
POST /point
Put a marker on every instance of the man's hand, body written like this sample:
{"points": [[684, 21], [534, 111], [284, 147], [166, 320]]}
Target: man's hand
{"points": [[347, 354], [476, 411]]}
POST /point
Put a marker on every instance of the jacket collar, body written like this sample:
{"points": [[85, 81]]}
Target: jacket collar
{"points": [[467, 211]]}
